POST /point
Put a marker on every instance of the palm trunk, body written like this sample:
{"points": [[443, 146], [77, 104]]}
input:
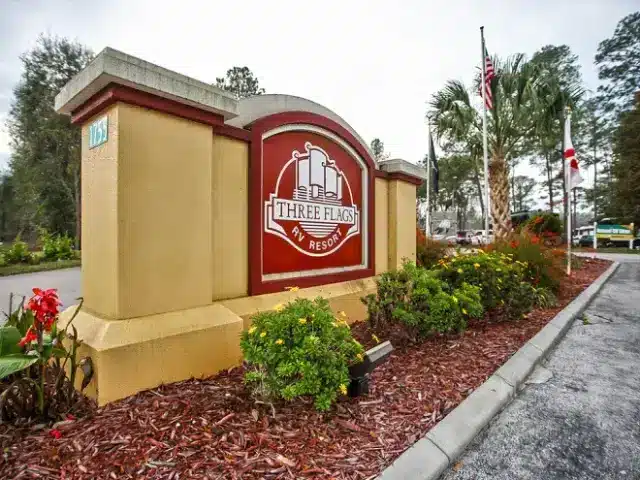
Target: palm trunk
{"points": [[499, 180]]}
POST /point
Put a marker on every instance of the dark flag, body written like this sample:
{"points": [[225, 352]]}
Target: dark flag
{"points": [[434, 163]]}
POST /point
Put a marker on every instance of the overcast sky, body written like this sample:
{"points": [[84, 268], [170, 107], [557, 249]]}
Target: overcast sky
{"points": [[375, 63]]}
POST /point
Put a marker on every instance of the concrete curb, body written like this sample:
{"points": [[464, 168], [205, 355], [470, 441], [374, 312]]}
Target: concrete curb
{"points": [[428, 458]]}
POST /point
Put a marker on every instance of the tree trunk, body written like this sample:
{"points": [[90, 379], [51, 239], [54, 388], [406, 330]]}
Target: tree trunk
{"points": [[513, 184], [476, 180], [549, 181], [499, 180]]}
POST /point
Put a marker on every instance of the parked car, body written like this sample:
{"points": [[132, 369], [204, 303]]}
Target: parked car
{"points": [[479, 237], [585, 241], [452, 240], [464, 237]]}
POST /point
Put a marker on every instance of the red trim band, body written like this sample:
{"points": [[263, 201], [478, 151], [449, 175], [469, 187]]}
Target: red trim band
{"points": [[232, 132], [118, 93]]}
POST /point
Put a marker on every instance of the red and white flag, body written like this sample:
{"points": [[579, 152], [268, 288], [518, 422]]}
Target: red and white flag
{"points": [[489, 73], [575, 178]]}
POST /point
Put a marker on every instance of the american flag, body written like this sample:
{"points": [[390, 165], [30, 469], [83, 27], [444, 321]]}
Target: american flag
{"points": [[488, 75]]}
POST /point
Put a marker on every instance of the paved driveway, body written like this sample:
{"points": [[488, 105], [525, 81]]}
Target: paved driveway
{"points": [[582, 420], [616, 257], [67, 282]]}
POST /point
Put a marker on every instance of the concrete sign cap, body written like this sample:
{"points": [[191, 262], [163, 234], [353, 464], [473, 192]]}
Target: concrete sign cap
{"points": [[114, 67]]}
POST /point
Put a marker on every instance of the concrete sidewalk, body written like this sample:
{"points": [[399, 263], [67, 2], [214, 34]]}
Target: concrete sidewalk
{"points": [[581, 419]]}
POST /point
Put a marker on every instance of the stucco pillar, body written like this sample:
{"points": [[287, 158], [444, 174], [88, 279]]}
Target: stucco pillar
{"points": [[403, 180], [147, 185], [156, 177]]}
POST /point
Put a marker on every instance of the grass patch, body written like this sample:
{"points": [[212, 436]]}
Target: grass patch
{"points": [[41, 267]]}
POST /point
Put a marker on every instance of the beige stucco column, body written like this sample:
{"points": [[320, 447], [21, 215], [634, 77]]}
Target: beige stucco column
{"points": [[160, 184], [403, 179]]}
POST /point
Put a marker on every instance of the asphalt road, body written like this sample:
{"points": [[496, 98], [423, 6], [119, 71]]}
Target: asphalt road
{"points": [[67, 281], [581, 419]]}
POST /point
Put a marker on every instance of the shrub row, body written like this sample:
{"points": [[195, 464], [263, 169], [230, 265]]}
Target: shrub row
{"points": [[54, 248], [302, 349]]}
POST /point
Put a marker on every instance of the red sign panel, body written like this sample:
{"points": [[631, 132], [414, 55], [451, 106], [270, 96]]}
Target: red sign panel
{"points": [[314, 208]]}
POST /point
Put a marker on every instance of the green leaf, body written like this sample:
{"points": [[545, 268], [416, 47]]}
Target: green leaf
{"points": [[58, 352], [10, 364], [9, 339], [22, 320]]}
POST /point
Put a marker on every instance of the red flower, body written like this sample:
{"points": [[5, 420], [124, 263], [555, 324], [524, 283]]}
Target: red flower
{"points": [[535, 240], [514, 244], [29, 337], [44, 305], [55, 433]]}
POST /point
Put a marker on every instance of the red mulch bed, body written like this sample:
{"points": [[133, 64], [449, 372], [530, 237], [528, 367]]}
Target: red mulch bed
{"points": [[212, 428]]}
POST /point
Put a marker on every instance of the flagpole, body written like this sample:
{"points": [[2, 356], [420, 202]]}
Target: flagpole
{"points": [[568, 197], [427, 227], [484, 139]]}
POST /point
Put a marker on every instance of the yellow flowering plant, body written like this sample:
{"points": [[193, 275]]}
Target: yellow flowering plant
{"points": [[301, 350], [420, 302], [501, 281]]}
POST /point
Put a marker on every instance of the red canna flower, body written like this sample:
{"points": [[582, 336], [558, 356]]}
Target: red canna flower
{"points": [[29, 337], [55, 433], [44, 305]]}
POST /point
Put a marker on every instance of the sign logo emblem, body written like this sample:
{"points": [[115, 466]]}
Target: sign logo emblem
{"points": [[312, 207]]}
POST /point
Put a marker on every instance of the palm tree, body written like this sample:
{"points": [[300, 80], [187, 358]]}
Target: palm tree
{"points": [[516, 100]]}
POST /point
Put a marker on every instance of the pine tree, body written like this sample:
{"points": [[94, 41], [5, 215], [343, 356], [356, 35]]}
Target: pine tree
{"points": [[45, 159]]}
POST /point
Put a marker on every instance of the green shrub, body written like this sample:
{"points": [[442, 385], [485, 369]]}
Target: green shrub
{"points": [[495, 274], [545, 298], [298, 350], [520, 300], [428, 251], [17, 253], [422, 303], [56, 247], [544, 223], [543, 267], [504, 281]]}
